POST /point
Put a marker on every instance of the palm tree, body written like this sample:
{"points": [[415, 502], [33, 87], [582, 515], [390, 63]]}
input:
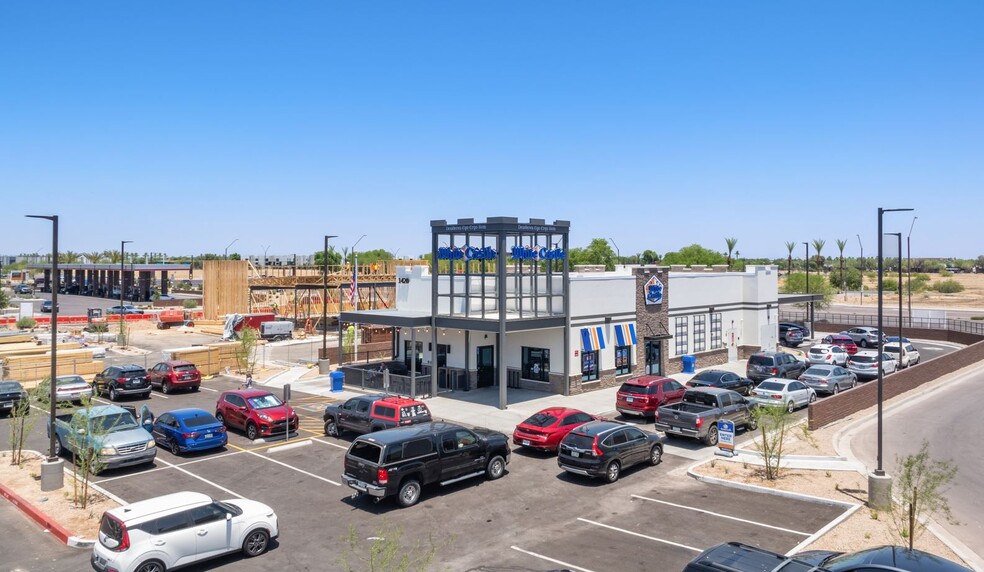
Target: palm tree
{"points": [[68, 257], [93, 257], [841, 244], [789, 261], [731, 242], [818, 245], [112, 255]]}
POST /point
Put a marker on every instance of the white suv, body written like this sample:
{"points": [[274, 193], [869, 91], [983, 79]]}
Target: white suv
{"points": [[909, 354], [174, 530], [828, 354]]}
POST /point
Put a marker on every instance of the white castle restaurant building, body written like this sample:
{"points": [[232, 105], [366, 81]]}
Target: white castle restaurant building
{"points": [[500, 307]]}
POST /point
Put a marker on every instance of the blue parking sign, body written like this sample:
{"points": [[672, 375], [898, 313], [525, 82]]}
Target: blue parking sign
{"points": [[726, 435]]}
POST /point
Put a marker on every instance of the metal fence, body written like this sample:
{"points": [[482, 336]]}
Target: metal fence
{"points": [[889, 321], [369, 377]]}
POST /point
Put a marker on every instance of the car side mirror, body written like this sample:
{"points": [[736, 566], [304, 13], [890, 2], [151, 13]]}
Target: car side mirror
{"points": [[80, 430], [148, 424], [243, 408], [228, 516]]}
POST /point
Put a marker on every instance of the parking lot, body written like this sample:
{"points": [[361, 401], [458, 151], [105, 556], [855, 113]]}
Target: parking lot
{"points": [[536, 518]]}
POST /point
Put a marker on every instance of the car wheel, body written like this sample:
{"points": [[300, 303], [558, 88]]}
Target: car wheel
{"points": [[409, 493], [752, 424], [251, 431], [612, 471], [712, 436], [813, 397], [165, 388], [791, 406], [58, 447], [837, 388], [150, 566], [331, 429], [173, 445], [864, 343], [854, 382], [655, 455], [147, 394], [196, 387], [112, 394], [256, 543], [496, 468], [220, 418]]}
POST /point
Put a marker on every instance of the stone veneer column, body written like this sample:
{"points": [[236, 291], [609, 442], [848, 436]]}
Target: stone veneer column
{"points": [[651, 320]]}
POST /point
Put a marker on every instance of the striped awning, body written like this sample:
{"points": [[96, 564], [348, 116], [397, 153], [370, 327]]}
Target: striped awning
{"points": [[592, 339], [625, 334]]}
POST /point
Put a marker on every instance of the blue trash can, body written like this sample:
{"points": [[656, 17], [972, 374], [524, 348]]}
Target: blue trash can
{"points": [[688, 363], [337, 380]]}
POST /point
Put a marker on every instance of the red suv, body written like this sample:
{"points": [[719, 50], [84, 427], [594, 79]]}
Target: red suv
{"points": [[175, 374], [256, 412], [643, 395], [843, 341]]}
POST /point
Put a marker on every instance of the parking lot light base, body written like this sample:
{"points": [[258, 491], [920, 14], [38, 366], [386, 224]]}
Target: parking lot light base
{"points": [[879, 491], [52, 474]]}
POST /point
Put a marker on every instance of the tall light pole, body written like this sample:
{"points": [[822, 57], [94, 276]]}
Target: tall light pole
{"points": [[809, 304], [908, 265], [862, 269], [225, 255], [355, 292], [123, 243], [265, 249], [52, 473], [324, 303], [880, 484], [618, 253]]}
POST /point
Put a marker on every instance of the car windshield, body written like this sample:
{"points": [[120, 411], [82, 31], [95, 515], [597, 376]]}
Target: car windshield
{"points": [[818, 350], [113, 422], [70, 380], [760, 360], [864, 359], [134, 373], [265, 401], [199, 420], [635, 389], [894, 350], [771, 386], [818, 371], [540, 420], [366, 451], [9, 386], [188, 367], [707, 376]]}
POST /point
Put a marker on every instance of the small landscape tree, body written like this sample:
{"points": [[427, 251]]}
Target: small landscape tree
{"points": [[790, 245], [22, 420], [86, 440], [246, 352], [922, 484], [730, 242], [773, 424]]}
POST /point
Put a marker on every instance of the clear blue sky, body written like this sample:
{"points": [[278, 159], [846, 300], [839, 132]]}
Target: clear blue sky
{"points": [[185, 125]]}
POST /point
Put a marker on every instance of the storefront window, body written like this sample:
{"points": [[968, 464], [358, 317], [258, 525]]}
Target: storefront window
{"points": [[589, 366], [623, 360], [680, 336], [408, 349], [699, 333], [536, 364], [716, 332]]}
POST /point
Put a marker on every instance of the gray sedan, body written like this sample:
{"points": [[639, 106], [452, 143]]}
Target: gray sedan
{"points": [[828, 378]]}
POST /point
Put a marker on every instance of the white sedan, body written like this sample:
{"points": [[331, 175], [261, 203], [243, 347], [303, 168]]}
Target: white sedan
{"points": [[67, 388], [788, 393], [827, 354], [865, 364]]}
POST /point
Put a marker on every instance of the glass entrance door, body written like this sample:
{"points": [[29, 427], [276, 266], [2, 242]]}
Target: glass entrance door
{"points": [[486, 366], [653, 354]]}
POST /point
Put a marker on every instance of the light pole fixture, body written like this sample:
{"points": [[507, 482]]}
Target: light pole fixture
{"points": [[225, 255], [354, 293], [862, 269], [324, 302], [880, 471], [618, 253], [52, 474], [123, 243], [908, 265], [809, 304]]}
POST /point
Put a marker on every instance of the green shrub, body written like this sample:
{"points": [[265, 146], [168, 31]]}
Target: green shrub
{"points": [[890, 285], [26, 323], [946, 273], [920, 276], [98, 328], [189, 304], [948, 287], [852, 277]]}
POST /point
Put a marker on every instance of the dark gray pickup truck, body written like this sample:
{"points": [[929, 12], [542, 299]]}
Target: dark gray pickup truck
{"points": [[697, 414]]}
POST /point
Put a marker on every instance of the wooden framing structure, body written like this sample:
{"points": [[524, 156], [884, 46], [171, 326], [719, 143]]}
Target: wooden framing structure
{"points": [[225, 288]]}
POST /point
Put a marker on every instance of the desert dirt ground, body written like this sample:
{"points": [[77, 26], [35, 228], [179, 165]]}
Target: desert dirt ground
{"points": [[972, 297]]}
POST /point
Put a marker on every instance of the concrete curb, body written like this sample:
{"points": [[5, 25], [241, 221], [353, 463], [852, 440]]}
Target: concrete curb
{"points": [[35, 514], [766, 490]]}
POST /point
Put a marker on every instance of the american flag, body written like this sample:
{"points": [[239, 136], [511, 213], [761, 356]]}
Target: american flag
{"points": [[354, 286]]}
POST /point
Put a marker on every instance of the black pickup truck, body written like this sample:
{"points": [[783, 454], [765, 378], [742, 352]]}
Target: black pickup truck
{"points": [[400, 462]]}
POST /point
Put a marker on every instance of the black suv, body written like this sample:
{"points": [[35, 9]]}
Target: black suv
{"points": [[120, 380], [763, 365], [370, 413], [791, 335], [400, 462], [738, 557], [604, 448]]}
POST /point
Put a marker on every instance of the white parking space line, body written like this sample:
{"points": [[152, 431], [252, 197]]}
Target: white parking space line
{"points": [[172, 466], [209, 389], [202, 479], [289, 446], [342, 447], [161, 395], [302, 471], [141, 473], [549, 559], [719, 515], [653, 538]]}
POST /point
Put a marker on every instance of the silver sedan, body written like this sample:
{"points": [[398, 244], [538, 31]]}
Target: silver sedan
{"points": [[828, 378], [67, 388]]}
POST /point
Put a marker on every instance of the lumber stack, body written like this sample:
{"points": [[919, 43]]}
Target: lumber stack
{"points": [[38, 366], [210, 359], [15, 339], [31, 348]]}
